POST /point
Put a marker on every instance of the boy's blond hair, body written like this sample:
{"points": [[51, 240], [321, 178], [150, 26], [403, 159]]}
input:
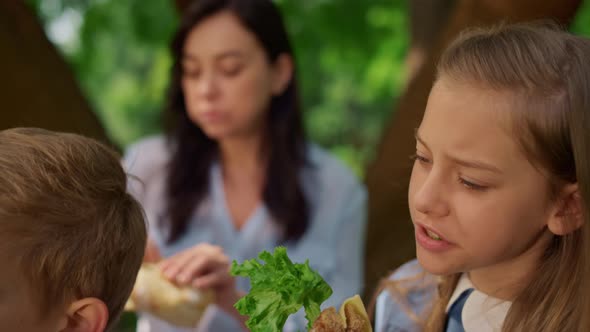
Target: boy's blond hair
{"points": [[66, 214]]}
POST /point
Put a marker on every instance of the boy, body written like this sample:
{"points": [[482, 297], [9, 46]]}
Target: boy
{"points": [[71, 238]]}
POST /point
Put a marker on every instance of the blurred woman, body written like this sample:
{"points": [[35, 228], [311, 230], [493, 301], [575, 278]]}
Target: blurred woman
{"points": [[234, 174]]}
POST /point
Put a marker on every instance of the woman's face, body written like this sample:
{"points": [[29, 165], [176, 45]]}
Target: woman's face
{"points": [[227, 80]]}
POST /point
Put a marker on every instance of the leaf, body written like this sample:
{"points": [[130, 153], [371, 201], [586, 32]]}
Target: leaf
{"points": [[279, 288]]}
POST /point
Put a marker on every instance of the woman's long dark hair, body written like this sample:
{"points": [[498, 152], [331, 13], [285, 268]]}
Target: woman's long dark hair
{"points": [[193, 152]]}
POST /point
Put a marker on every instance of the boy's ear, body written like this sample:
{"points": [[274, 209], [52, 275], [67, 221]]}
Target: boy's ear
{"points": [[569, 214], [87, 315], [282, 73]]}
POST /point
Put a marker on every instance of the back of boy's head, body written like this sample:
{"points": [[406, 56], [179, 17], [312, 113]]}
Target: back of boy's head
{"points": [[65, 212], [546, 72]]}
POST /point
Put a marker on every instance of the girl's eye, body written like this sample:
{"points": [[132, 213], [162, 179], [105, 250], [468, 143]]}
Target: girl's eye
{"points": [[419, 158], [472, 186]]}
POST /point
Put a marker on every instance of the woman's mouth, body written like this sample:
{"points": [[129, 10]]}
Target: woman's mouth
{"points": [[213, 116]]}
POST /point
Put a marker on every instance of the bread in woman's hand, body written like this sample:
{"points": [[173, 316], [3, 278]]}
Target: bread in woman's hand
{"points": [[153, 294]]}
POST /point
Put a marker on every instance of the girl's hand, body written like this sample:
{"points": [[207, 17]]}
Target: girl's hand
{"points": [[204, 266]]}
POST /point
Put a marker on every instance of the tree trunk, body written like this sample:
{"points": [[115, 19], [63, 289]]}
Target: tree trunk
{"points": [[427, 18], [390, 238], [38, 88], [182, 5]]}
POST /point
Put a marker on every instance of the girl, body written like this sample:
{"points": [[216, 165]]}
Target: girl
{"points": [[499, 192], [235, 174]]}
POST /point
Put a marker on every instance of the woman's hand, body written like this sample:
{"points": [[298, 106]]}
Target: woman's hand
{"points": [[204, 266], [152, 253]]}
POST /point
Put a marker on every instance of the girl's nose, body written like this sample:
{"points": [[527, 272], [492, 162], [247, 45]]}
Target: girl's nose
{"points": [[430, 196]]}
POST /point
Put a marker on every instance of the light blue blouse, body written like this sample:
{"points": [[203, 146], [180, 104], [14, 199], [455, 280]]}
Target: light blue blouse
{"points": [[481, 312], [333, 243], [395, 314]]}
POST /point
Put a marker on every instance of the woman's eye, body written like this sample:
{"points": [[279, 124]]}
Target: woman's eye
{"points": [[231, 70], [190, 73], [472, 186]]}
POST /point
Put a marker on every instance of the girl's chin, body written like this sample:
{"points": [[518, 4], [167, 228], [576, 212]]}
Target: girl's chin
{"points": [[435, 265]]}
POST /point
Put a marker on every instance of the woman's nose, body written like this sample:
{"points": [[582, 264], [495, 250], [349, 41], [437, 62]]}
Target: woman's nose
{"points": [[206, 86]]}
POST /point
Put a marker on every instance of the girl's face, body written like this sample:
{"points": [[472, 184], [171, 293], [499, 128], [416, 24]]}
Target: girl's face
{"points": [[227, 79], [477, 203]]}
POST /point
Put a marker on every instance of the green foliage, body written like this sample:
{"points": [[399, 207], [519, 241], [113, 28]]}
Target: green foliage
{"points": [[127, 323], [121, 59], [581, 24], [349, 53], [350, 57], [123, 63]]}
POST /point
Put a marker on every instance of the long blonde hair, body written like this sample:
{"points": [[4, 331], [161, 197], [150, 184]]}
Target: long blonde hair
{"points": [[548, 70]]}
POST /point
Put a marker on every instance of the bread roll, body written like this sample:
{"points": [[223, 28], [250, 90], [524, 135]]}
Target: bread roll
{"points": [[154, 294]]}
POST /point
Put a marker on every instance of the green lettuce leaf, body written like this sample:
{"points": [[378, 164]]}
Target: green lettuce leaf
{"points": [[279, 288]]}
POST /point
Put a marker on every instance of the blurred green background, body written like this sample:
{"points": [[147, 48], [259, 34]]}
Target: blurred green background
{"points": [[350, 56]]}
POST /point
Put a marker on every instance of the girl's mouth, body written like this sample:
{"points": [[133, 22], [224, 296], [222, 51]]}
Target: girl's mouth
{"points": [[431, 240], [433, 235]]}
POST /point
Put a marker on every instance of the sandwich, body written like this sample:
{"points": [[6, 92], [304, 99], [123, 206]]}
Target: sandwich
{"points": [[352, 317]]}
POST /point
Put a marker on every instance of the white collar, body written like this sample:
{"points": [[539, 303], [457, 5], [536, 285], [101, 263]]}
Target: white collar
{"points": [[481, 313]]}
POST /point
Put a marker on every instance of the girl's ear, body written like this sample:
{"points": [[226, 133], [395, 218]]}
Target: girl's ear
{"points": [[282, 73], [569, 212]]}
